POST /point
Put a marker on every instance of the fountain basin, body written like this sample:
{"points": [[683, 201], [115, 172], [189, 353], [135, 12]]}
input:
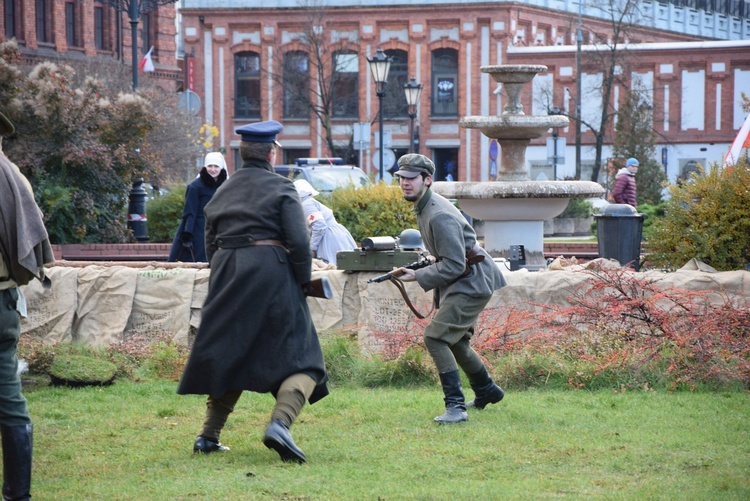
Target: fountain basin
{"points": [[514, 212], [508, 126], [513, 73]]}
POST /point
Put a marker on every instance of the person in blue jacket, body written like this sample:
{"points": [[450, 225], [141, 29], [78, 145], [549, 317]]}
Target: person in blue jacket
{"points": [[189, 244]]}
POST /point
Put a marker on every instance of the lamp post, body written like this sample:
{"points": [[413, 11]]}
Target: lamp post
{"points": [[412, 89], [379, 66], [134, 9], [554, 111], [579, 41]]}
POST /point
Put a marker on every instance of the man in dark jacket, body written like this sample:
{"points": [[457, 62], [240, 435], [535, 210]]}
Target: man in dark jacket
{"points": [[256, 331], [460, 291], [24, 249], [624, 189]]}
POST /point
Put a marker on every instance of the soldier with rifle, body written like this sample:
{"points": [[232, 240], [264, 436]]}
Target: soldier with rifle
{"points": [[256, 331], [462, 277]]}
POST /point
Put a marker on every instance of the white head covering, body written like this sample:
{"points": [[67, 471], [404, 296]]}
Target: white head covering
{"points": [[305, 189], [215, 158]]}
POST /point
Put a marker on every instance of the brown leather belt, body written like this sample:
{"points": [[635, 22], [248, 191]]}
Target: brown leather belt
{"points": [[238, 241]]}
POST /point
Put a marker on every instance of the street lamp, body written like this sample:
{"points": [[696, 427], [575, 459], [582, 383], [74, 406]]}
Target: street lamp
{"points": [[579, 41], [412, 89], [554, 111], [379, 66], [135, 8]]}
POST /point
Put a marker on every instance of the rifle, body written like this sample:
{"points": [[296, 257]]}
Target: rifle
{"points": [[319, 287], [421, 263], [474, 256]]}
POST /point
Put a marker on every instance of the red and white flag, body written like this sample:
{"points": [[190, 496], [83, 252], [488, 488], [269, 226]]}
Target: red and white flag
{"points": [[741, 141], [146, 63]]}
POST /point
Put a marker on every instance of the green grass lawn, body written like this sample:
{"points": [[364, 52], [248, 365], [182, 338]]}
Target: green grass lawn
{"points": [[134, 441]]}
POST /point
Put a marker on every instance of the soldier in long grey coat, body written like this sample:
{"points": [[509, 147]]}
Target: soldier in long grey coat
{"points": [[460, 291], [256, 331]]}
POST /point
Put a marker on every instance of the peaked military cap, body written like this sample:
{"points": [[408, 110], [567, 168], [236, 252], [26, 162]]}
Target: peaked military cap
{"points": [[413, 164], [260, 132]]}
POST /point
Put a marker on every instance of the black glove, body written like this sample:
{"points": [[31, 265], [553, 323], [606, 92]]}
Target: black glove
{"points": [[186, 239]]}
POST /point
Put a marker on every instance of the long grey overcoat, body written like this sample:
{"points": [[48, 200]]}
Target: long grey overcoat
{"points": [[448, 236], [256, 329]]}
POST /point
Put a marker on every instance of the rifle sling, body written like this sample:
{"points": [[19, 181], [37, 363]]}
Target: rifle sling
{"points": [[400, 286], [472, 257]]}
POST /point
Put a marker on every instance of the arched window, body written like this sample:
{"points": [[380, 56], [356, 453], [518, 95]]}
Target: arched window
{"points": [[445, 83], [345, 85], [296, 85], [394, 101], [247, 85]]}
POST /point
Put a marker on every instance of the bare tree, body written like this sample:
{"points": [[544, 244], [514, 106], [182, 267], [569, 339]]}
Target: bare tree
{"points": [[319, 75], [612, 60], [636, 138]]}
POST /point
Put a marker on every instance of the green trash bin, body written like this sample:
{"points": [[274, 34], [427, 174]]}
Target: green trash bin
{"points": [[619, 229]]}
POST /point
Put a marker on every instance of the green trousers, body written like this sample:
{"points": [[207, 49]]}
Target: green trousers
{"points": [[448, 334], [291, 397], [13, 411]]}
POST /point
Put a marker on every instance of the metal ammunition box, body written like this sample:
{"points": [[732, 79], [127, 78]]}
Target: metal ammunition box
{"points": [[359, 260]]}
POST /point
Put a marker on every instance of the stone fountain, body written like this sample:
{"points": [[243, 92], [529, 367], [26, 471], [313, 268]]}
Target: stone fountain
{"points": [[514, 207]]}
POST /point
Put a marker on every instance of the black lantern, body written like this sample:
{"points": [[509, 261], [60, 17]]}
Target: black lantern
{"points": [[412, 90], [379, 66]]}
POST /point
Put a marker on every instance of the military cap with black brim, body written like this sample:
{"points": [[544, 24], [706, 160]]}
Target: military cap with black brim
{"points": [[260, 132]]}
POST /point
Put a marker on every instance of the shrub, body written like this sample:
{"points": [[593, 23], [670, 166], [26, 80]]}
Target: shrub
{"points": [[38, 354], [164, 214], [341, 353], [166, 360], [625, 330], [653, 213], [377, 210], [707, 218], [577, 207], [412, 368]]}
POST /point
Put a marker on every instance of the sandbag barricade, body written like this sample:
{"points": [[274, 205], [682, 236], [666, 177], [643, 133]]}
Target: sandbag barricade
{"points": [[100, 305]]}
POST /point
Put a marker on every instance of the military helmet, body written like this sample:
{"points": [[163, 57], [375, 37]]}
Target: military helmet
{"points": [[410, 239]]}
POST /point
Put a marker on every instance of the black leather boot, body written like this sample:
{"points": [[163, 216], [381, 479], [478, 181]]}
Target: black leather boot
{"points": [[485, 390], [17, 445], [278, 438], [455, 406], [207, 445]]}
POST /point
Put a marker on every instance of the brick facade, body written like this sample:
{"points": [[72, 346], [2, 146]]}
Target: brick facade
{"points": [[482, 34], [116, 35]]}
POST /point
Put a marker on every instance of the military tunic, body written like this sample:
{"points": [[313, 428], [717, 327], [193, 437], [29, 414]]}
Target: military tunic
{"points": [[448, 236], [256, 329]]}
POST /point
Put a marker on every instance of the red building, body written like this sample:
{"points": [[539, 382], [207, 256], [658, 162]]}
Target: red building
{"points": [[246, 58], [71, 30]]}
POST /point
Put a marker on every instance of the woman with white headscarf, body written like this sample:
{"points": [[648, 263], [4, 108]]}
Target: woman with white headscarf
{"points": [[327, 236], [189, 242]]}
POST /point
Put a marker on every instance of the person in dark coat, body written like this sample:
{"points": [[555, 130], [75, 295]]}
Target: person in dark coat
{"points": [[24, 249], [624, 190], [256, 331], [189, 241], [460, 291]]}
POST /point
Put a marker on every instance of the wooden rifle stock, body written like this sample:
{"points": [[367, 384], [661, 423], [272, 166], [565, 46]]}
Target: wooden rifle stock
{"points": [[319, 287]]}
